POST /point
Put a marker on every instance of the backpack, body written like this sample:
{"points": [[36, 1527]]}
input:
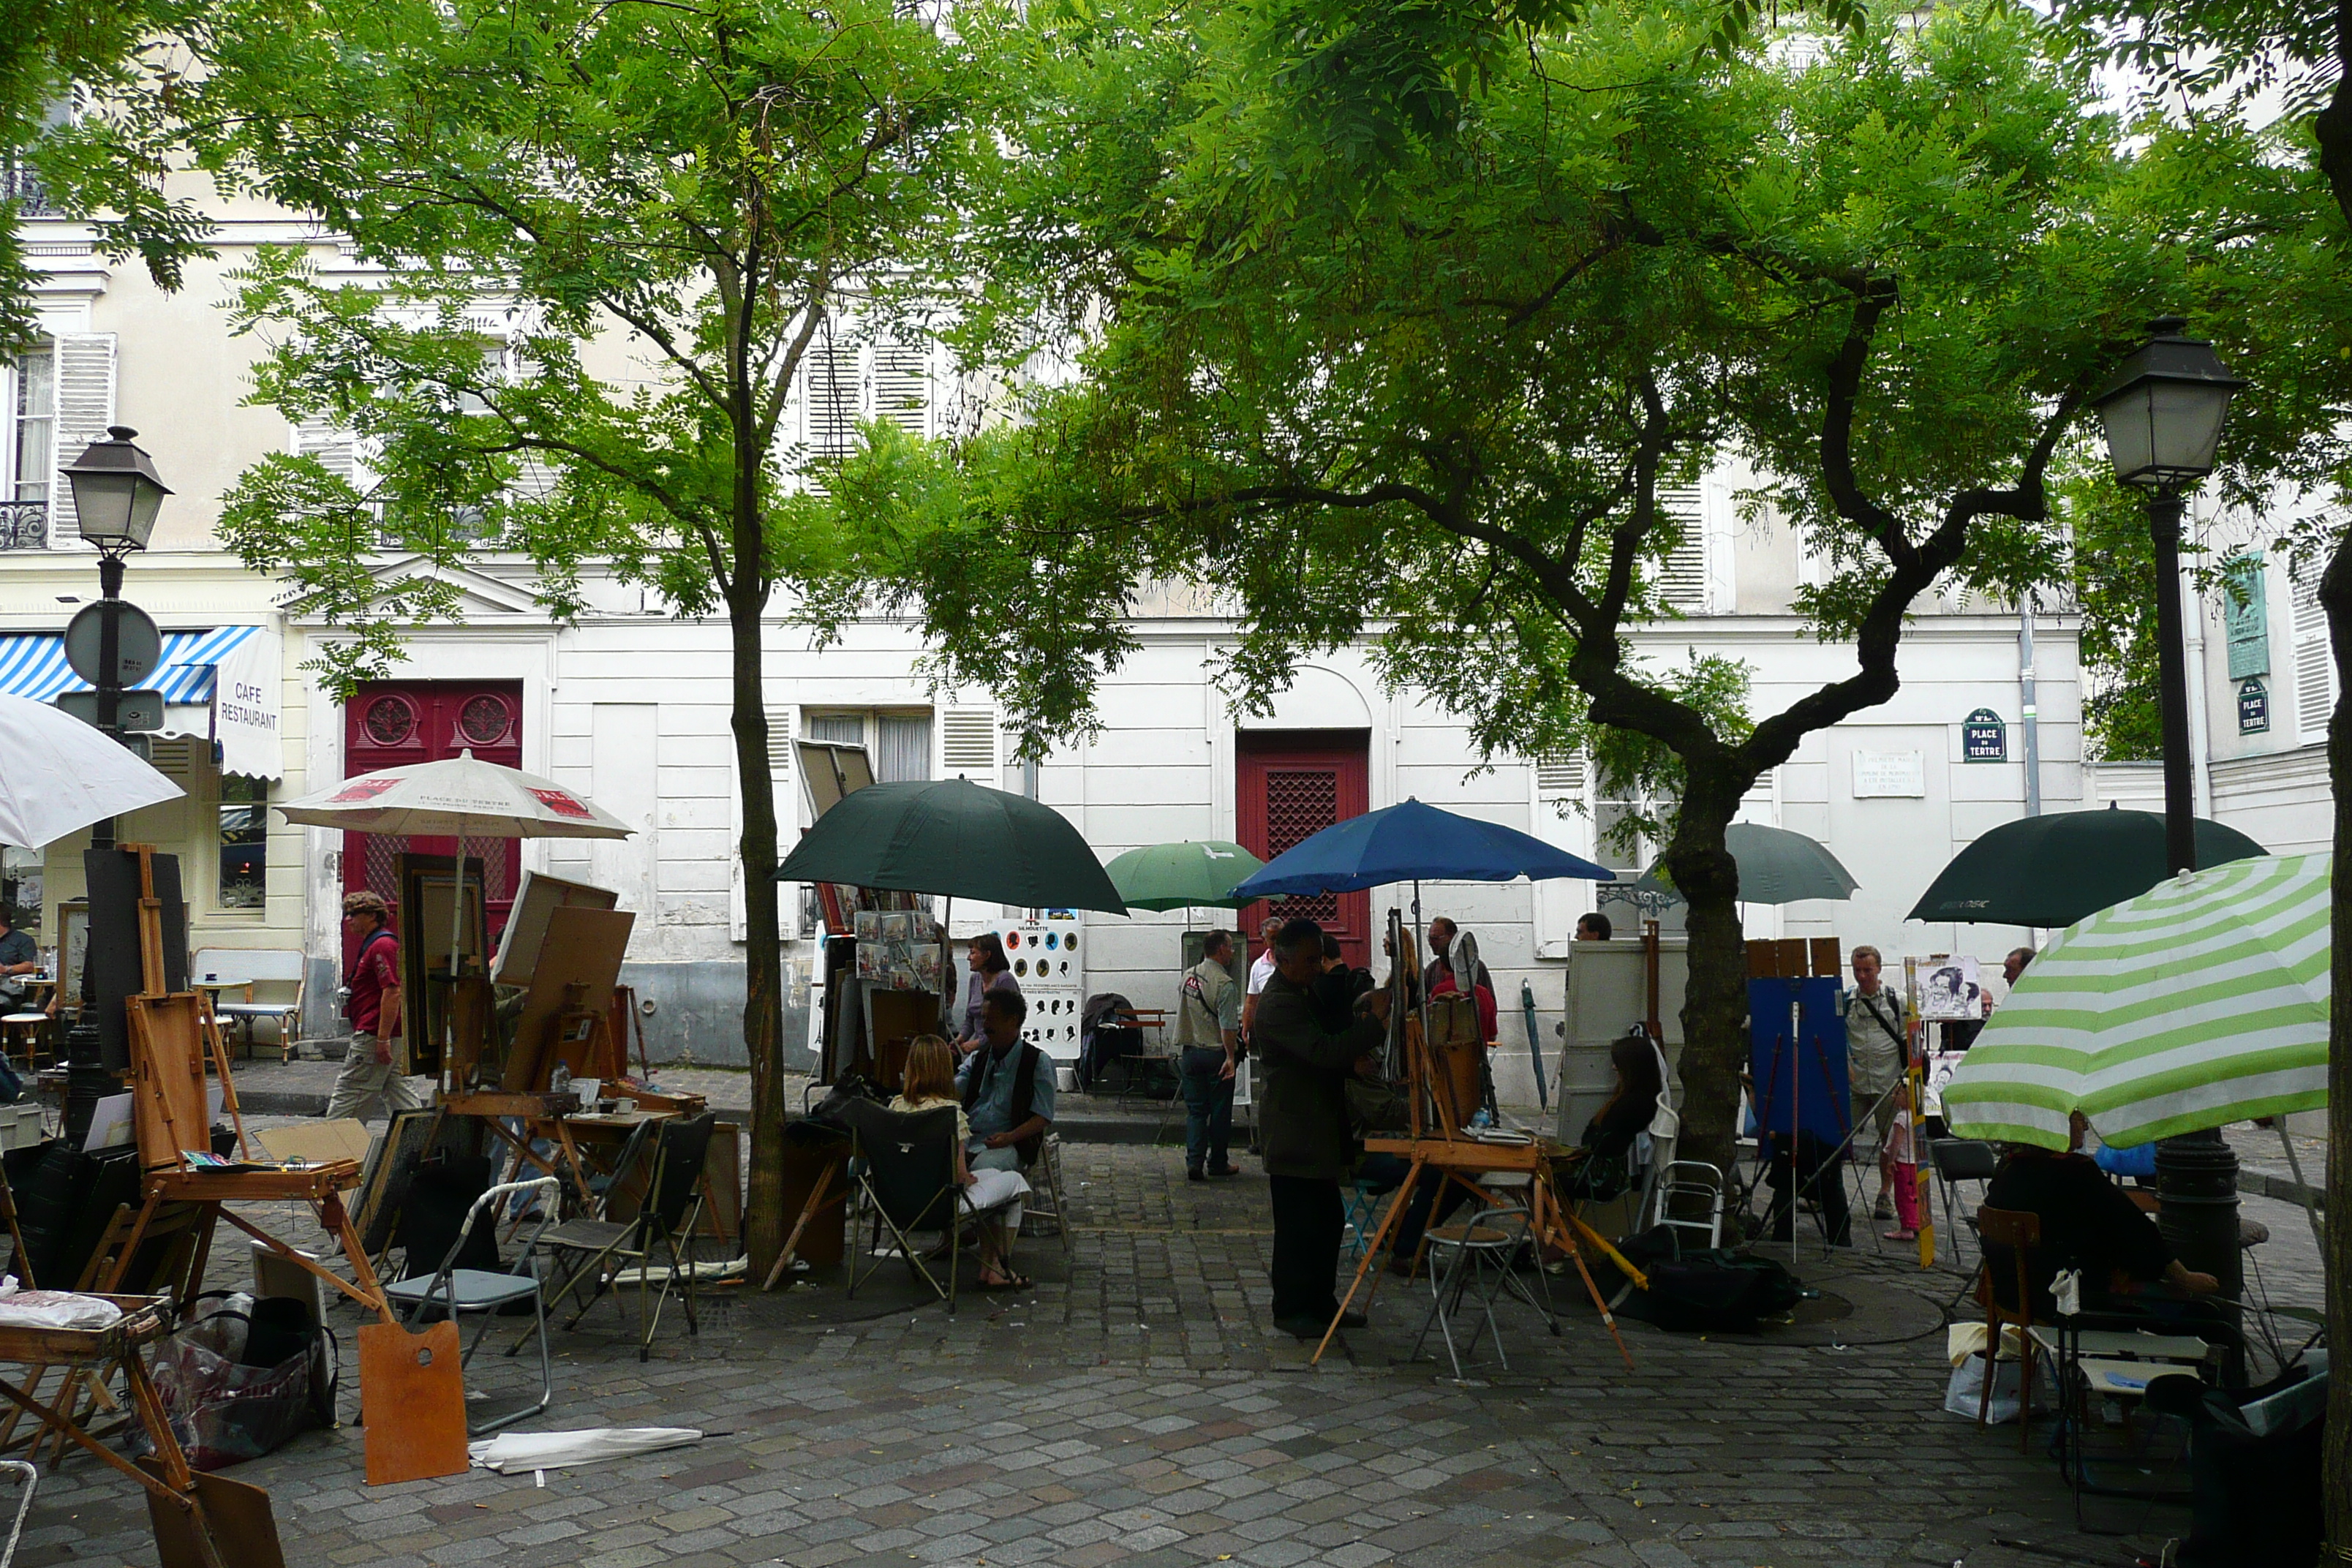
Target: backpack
{"points": [[1720, 1291]]}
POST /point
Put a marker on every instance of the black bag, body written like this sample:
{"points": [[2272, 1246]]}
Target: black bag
{"points": [[439, 1197], [1712, 1292], [225, 1404], [850, 1087]]}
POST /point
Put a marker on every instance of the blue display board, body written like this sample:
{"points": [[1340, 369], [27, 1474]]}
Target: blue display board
{"points": [[1801, 1083]]}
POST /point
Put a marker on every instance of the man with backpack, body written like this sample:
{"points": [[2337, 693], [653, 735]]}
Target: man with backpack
{"points": [[1208, 1037], [1876, 1053]]}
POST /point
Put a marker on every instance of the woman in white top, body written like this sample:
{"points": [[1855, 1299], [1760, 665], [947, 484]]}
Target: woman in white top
{"points": [[930, 1083]]}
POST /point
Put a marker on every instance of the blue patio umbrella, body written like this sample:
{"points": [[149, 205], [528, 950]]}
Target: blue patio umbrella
{"points": [[1413, 842]]}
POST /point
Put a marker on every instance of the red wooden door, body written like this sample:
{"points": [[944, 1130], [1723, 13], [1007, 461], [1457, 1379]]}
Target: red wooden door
{"points": [[391, 724], [1290, 785]]}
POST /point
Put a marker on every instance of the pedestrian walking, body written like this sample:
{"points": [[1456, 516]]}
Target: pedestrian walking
{"points": [[1208, 1036], [1876, 1059], [372, 1001], [1302, 1127]]}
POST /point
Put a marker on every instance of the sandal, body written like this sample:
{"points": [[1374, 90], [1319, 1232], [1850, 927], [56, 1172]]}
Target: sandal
{"points": [[1006, 1282]]}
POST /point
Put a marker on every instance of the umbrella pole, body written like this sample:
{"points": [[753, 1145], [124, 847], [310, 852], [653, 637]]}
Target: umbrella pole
{"points": [[456, 939], [946, 966]]}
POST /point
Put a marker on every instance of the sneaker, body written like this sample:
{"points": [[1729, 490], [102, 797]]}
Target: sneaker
{"points": [[1886, 1209]]}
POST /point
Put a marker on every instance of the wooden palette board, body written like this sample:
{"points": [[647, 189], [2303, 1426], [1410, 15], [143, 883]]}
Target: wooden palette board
{"points": [[411, 1402]]}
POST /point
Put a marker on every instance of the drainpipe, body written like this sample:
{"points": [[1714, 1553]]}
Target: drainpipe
{"points": [[2029, 722], [2200, 738]]}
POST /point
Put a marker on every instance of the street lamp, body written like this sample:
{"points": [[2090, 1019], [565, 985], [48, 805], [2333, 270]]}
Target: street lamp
{"points": [[2163, 413], [116, 494]]}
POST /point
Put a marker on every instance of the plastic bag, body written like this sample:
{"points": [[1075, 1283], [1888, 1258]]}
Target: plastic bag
{"points": [[224, 1412], [1964, 1396]]}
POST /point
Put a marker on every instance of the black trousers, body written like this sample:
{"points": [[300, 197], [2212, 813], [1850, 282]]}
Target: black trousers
{"points": [[1309, 1222]]}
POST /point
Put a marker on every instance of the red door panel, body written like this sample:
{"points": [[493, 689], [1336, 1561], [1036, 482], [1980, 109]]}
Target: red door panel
{"points": [[1290, 785], [391, 724]]}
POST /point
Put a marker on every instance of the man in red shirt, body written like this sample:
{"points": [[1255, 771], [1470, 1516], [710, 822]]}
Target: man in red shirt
{"points": [[373, 1007]]}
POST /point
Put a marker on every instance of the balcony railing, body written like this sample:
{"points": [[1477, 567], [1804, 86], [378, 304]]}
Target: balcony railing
{"points": [[32, 199], [24, 525]]}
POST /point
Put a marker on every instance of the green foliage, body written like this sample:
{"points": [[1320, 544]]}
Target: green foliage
{"points": [[592, 243], [2114, 587]]}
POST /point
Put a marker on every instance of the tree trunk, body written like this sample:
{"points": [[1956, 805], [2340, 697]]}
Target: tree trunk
{"points": [[1714, 1003], [2335, 1475], [763, 967]]}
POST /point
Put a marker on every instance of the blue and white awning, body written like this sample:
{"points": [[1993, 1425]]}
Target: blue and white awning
{"points": [[220, 685]]}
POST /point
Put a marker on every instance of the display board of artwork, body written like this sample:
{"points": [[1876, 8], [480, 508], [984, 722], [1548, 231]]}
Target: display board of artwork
{"points": [[1951, 990], [898, 949], [1048, 960]]}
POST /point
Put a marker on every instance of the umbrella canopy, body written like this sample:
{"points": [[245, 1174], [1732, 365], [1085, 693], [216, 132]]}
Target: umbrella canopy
{"points": [[457, 797], [956, 839], [1409, 843], [1195, 874], [1776, 866], [2201, 1002], [2054, 870], [57, 775]]}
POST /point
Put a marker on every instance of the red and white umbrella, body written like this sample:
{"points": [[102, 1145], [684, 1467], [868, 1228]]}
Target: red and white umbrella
{"points": [[458, 798]]}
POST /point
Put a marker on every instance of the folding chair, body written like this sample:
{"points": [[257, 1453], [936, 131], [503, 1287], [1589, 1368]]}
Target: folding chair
{"points": [[651, 1239], [1479, 1254], [1690, 1184], [459, 1290], [1045, 1196], [1961, 1159], [903, 1164]]}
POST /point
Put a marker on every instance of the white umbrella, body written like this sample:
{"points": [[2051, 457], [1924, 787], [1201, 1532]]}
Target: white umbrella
{"points": [[57, 775], [458, 798]]}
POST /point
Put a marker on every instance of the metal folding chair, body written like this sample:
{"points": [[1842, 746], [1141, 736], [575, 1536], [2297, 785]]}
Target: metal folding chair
{"points": [[1046, 1198], [458, 1291], [658, 1239], [1961, 1159], [1478, 1255], [904, 1168]]}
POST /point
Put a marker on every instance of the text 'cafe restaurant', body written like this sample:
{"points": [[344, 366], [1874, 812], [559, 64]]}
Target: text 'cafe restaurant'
{"points": [[218, 736]]}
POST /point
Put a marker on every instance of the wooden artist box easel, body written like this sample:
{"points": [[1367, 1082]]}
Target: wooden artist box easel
{"points": [[1441, 1098], [170, 1036]]}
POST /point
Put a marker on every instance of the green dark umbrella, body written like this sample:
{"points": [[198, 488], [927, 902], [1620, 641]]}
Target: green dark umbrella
{"points": [[1195, 874], [955, 840], [1776, 866], [2053, 870]]}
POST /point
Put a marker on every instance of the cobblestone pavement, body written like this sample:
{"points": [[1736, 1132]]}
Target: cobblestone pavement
{"points": [[1137, 1407]]}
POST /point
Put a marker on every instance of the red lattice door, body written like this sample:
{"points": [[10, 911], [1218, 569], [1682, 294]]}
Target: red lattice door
{"points": [[393, 723], [1292, 784]]}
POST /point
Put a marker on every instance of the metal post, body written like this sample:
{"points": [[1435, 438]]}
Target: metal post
{"points": [[2164, 510], [109, 687], [2029, 718]]}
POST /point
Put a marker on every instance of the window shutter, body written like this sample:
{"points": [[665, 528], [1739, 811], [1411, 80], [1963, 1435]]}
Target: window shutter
{"points": [[902, 384], [832, 391], [968, 744], [2315, 668], [1560, 777], [173, 759], [85, 408], [1683, 575], [330, 445]]}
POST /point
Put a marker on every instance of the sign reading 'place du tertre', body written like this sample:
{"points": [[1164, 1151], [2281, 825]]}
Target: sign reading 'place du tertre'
{"points": [[1984, 737]]}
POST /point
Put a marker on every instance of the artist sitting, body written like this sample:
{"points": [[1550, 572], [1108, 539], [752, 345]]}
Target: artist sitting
{"points": [[2087, 1223], [1007, 1086], [1610, 1138], [932, 1083], [1338, 986]]}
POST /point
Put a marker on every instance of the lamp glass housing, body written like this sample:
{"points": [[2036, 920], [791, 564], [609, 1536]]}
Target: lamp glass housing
{"points": [[2163, 411], [116, 493]]}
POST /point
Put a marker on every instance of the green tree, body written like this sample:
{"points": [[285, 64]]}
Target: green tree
{"points": [[2113, 580], [611, 233], [1426, 385]]}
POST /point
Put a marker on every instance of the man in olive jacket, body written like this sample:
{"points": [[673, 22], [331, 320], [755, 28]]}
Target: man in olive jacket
{"points": [[1302, 1127]]}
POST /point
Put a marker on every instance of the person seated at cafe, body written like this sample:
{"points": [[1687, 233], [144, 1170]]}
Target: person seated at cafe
{"points": [[19, 956], [1007, 1086], [932, 1083], [2087, 1223], [990, 972]]}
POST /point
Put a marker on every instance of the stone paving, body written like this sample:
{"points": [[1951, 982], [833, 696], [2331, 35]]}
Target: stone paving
{"points": [[1137, 1407]]}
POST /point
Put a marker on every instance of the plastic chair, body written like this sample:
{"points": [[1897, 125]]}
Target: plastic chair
{"points": [[650, 1238], [458, 1291], [904, 1171]]}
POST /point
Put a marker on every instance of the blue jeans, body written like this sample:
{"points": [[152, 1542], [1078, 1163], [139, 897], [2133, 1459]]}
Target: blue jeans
{"points": [[1209, 1106]]}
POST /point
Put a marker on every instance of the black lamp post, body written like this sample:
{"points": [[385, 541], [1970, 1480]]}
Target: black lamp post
{"points": [[116, 495], [2163, 413]]}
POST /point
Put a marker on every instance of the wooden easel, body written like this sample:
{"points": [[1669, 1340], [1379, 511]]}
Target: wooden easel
{"points": [[168, 1038], [1437, 1142]]}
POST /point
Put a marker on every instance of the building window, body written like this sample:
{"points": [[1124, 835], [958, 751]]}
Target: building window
{"points": [[27, 453], [898, 744], [244, 842]]}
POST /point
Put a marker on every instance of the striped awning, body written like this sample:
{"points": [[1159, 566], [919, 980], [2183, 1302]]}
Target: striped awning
{"points": [[35, 666]]}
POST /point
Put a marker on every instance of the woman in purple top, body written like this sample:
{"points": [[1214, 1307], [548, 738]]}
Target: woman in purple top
{"points": [[990, 972]]}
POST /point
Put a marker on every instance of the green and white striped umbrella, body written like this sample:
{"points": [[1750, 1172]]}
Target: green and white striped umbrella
{"points": [[2201, 1002]]}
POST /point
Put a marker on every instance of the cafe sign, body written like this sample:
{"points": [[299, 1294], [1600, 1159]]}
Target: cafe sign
{"points": [[1984, 737]]}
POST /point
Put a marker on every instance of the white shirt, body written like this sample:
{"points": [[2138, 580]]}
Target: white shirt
{"points": [[1261, 972]]}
